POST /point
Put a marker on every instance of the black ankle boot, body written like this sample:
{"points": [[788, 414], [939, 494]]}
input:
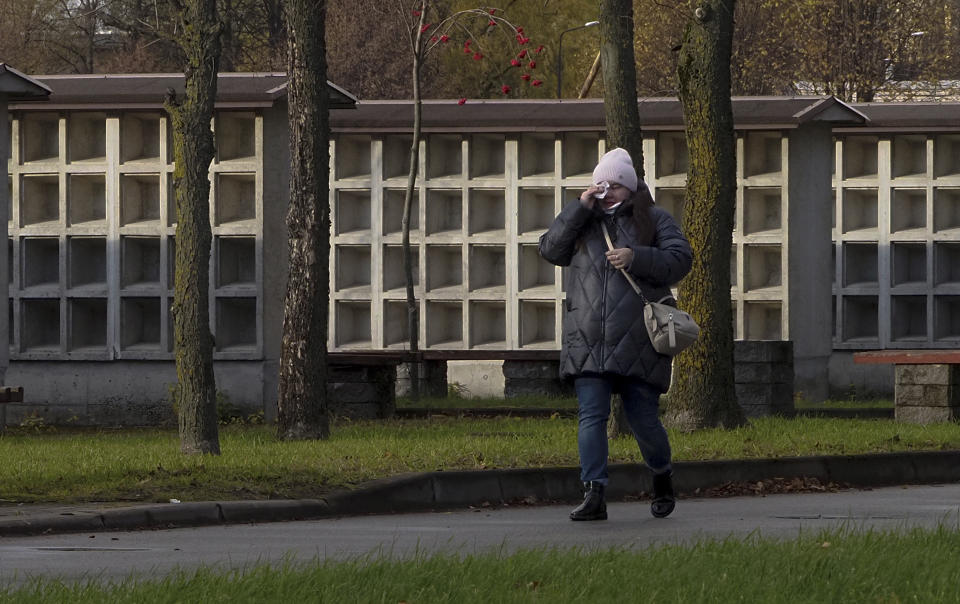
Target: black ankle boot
{"points": [[593, 506], [663, 498]]}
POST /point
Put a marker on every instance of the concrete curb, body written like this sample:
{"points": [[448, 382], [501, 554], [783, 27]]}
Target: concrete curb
{"points": [[428, 491]]}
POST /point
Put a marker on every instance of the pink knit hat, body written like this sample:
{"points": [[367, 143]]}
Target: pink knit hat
{"points": [[616, 166]]}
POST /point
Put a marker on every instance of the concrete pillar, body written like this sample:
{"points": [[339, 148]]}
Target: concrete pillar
{"points": [[4, 246], [809, 243]]}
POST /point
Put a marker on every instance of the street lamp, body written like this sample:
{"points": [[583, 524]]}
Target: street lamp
{"points": [[560, 52]]}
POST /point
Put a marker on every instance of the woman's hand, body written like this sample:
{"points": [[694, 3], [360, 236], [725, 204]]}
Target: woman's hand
{"points": [[588, 199], [620, 257]]}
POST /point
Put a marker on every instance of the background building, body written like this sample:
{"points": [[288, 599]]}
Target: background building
{"points": [[847, 232]]}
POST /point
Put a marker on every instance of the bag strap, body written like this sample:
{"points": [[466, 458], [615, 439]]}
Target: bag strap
{"points": [[636, 288]]}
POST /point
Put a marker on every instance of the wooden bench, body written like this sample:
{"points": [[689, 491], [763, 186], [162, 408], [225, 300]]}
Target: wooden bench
{"points": [[8, 395], [926, 385]]}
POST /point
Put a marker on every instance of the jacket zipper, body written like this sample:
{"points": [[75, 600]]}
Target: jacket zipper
{"points": [[603, 314]]}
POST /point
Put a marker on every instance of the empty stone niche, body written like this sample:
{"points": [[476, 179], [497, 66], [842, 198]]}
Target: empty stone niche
{"points": [[236, 198], [396, 156], [537, 155], [488, 325], [487, 156], [88, 324], [860, 156], [909, 156], [946, 318], [140, 137], [733, 266], [171, 261], [672, 154], [860, 264], [946, 155], [140, 262], [580, 153], [10, 263], [444, 212], [946, 210], [395, 328], [236, 261], [40, 262], [393, 212], [908, 210], [140, 324], [394, 275], [762, 320], [352, 157], [445, 269], [140, 199], [444, 156], [236, 135], [444, 324], [39, 199], [536, 275], [538, 324], [488, 269], [908, 318], [40, 325], [860, 211], [10, 323], [763, 268], [762, 212], [171, 201], [169, 313], [909, 264], [946, 263], [536, 210], [87, 199], [833, 264], [87, 259], [353, 324], [487, 213], [353, 212], [861, 315], [833, 209], [762, 154], [236, 324], [40, 137], [352, 264], [87, 137], [673, 201]]}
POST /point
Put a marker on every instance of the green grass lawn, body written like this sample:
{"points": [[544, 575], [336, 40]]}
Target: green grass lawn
{"points": [[840, 566], [145, 465]]}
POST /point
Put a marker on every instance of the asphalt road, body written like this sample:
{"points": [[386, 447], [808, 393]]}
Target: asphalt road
{"points": [[115, 555]]}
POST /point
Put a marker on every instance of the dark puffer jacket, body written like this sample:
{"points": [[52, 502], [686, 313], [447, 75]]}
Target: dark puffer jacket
{"points": [[603, 329]]}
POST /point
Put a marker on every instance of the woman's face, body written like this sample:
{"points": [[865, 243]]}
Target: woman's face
{"points": [[616, 194]]}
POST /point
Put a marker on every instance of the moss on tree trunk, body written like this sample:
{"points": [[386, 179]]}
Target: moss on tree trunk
{"points": [[195, 393], [302, 401], [702, 393]]}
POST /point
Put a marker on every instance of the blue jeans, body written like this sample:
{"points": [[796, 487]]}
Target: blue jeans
{"points": [[641, 403]]}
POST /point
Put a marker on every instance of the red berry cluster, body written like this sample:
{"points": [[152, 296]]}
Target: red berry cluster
{"points": [[523, 59]]}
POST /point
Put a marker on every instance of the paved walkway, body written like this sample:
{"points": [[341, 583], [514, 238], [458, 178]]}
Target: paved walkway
{"points": [[113, 555]]}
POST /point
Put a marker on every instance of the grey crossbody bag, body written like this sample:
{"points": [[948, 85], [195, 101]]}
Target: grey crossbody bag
{"points": [[671, 330]]}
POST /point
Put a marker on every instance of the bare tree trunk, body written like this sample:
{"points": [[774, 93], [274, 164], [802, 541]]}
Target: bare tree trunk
{"points": [[413, 314], [302, 401], [620, 80], [195, 394], [622, 115], [703, 393]]}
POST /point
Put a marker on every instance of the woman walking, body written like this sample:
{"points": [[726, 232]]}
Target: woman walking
{"points": [[605, 348]]}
